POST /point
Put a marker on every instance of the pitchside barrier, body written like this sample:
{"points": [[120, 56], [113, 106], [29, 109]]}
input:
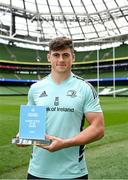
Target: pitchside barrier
{"points": [[21, 87], [102, 81]]}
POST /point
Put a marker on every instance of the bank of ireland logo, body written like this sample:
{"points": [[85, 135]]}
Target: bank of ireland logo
{"points": [[56, 102], [71, 93]]}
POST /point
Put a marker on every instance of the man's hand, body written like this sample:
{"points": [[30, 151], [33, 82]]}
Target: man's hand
{"points": [[57, 144], [21, 145]]}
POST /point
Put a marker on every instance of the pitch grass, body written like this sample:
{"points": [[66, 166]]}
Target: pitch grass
{"points": [[106, 159]]}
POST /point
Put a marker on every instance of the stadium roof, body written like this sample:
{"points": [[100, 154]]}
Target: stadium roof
{"points": [[87, 22]]}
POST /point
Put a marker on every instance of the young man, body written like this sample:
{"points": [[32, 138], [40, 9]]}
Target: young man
{"points": [[69, 100]]}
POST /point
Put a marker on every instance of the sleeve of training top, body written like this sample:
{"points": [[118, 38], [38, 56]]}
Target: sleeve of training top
{"points": [[91, 100]]}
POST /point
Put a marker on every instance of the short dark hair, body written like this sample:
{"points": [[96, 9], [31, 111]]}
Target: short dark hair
{"points": [[60, 43]]}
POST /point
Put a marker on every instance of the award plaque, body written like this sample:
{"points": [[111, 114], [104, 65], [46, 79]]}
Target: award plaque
{"points": [[32, 127]]}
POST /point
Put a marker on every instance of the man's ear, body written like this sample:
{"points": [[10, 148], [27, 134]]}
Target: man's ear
{"points": [[48, 57], [73, 57]]}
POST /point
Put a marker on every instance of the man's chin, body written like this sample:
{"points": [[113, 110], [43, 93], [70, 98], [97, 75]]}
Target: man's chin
{"points": [[61, 69]]}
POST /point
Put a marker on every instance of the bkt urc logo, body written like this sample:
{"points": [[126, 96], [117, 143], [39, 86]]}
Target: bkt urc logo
{"points": [[56, 102]]}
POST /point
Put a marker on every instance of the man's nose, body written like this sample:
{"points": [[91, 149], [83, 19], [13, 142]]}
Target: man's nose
{"points": [[61, 58]]}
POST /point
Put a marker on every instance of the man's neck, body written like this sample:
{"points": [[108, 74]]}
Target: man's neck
{"points": [[60, 77]]}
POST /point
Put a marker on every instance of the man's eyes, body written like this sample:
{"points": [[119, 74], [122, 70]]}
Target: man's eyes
{"points": [[56, 55], [64, 55]]}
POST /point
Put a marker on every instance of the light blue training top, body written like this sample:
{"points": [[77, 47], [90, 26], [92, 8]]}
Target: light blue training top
{"points": [[66, 104]]}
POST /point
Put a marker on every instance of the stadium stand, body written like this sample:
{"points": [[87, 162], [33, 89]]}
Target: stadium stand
{"points": [[13, 53], [24, 67]]}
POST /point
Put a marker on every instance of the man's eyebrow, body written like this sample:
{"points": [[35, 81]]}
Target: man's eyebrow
{"points": [[55, 53]]}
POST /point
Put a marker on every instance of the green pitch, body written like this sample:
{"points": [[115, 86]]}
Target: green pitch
{"points": [[107, 158]]}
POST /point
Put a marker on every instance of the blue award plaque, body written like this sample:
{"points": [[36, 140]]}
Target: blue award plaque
{"points": [[32, 129], [32, 122]]}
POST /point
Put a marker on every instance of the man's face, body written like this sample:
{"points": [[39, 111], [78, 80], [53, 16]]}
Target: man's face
{"points": [[61, 60]]}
